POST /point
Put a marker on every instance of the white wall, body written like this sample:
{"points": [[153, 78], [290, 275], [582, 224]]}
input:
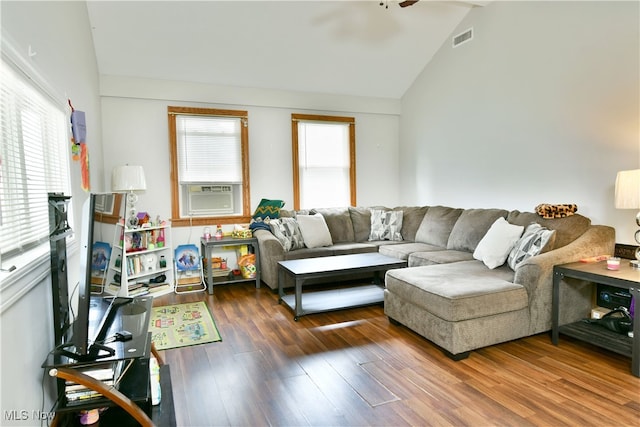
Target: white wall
{"points": [[135, 131], [59, 34], [540, 107]]}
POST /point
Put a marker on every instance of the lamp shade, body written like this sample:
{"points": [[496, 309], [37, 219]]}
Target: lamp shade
{"points": [[128, 178], [628, 189]]}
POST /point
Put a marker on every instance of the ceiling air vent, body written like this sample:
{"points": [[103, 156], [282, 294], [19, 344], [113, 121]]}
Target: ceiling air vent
{"points": [[463, 37]]}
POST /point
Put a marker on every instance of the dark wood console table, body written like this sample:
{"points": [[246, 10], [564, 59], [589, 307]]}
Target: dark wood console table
{"points": [[132, 394], [597, 273]]}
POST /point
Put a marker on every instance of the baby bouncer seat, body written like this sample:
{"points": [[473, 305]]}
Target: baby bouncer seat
{"points": [[188, 270]]}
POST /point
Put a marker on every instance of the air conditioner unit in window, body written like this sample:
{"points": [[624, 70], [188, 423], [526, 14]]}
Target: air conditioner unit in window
{"points": [[206, 200]]}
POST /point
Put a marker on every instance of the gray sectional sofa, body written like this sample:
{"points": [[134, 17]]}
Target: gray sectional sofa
{"points": [[445, 294]]}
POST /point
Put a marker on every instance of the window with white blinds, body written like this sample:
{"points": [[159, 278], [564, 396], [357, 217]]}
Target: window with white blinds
{"points": [[324, 166], [209, 154], [209, 149], [33, 158]]}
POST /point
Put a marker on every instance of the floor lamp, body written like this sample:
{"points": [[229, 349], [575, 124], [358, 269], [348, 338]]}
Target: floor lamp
{"points": [[129, 178], [628, 197]]}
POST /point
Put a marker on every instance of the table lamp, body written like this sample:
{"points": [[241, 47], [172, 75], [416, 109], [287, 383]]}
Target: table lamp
{"points": [[628, 197], [129, 178]]}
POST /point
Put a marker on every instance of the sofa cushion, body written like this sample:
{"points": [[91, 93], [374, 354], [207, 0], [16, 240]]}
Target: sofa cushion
{"points": [[386, 225], [286, 213], [308, 253], [353, 248], [314, 230], [339, 223], [532, 243], [412, 217], [567, 229], [361, 220], [287, 232], [403, 250], [437, 225], [472, 225], [438, 257], [459, 291], [494, 248]]}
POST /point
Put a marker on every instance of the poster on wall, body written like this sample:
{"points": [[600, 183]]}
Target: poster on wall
{"points": [[79, 149]]}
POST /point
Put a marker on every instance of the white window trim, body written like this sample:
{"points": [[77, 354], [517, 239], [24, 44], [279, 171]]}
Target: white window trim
{"points": [[33, 266]]}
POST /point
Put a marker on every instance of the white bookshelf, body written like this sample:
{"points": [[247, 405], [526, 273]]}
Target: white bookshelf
{"points": [[137, 258]]}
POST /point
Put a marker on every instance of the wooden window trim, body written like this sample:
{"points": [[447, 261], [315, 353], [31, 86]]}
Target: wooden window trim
{"points": [[176, 220], [352, 151]]}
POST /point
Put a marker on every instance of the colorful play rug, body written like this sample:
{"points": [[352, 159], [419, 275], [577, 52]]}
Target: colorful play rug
{"points": [[182, 325]]}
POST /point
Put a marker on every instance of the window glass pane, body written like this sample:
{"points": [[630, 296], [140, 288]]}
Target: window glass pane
{"points": [[324, 162], [209, 149], [33, 160]]}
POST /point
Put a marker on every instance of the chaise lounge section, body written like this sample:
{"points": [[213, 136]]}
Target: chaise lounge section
{"points": [[462, 305]]}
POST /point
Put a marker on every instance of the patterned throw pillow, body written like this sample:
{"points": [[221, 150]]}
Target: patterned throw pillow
{"points": [[386, 225], [265, 212], [268, 210], [532, 243], [287, 232]]}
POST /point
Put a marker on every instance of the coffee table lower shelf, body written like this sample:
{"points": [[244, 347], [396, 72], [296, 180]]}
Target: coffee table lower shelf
{"points": [[335, 299]]}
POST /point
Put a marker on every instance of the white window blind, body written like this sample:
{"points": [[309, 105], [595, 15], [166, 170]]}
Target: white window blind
{"points": [[209, 149], [33, 160], [324, 164]]}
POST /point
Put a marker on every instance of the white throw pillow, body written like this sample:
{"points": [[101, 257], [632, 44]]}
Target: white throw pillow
{"points": [[494, 248], [314, 230]]}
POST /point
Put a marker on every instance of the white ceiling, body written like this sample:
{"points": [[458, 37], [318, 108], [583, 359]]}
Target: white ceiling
{"points": [[336, 47]]}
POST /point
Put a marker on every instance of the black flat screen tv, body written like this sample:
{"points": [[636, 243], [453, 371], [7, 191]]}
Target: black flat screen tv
{"points": [[82, 346]]}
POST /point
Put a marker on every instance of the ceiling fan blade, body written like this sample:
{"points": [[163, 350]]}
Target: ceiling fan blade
{"points": [[407, 3]]}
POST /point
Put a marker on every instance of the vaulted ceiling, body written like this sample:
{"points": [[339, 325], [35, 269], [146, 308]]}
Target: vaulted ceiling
{"points": [[367, 48]]}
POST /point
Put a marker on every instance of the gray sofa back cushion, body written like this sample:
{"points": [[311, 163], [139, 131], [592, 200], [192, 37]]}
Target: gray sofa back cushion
{"points": [[339, 222], [361, 220], [471, 227], [285, 213], [437, 225], [412, 217], [567, 229]]}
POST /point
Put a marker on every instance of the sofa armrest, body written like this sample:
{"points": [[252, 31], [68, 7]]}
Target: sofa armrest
{"points": [[271, 251], [536, 274]]}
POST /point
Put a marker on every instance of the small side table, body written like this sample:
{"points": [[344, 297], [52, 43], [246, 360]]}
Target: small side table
{"points": [[207, 247], [625, 278]]}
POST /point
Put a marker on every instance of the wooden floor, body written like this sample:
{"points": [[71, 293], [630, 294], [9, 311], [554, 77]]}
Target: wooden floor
{"points": [[353, 368]]}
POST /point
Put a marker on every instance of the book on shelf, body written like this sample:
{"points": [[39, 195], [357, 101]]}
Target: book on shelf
{"points": [[107, 373], [83, 395], [152, 285], [73, 387], [139, 292], [102, 372], [159, 288]]}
